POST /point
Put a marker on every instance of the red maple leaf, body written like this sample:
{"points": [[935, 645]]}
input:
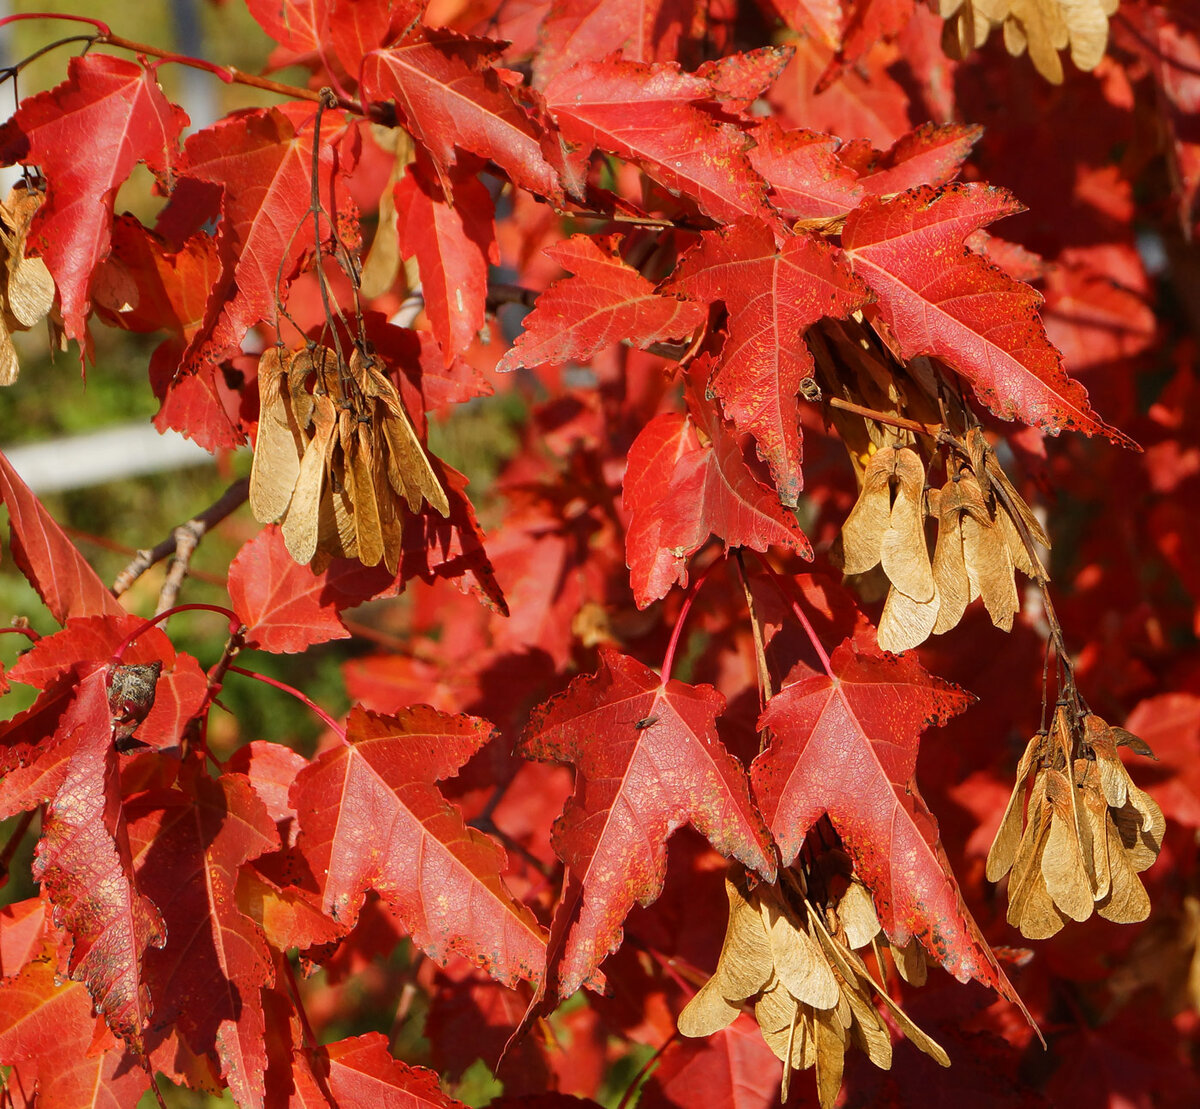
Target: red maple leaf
{"points": [[821, 18], [807, 179], [453, 244], [49, 1036], [773, 294], [33, 758], [868, 22], [844, 744], [84, 865], [362, 1071], [930, 155], [298, 25], [21, 934], [55, 568], [734, 1068], [578, 30], [652, 115], [940, 298], [449, 95], [285, 606], [188, 847], [647, 760], [371, 818], [607, 301], [451, 547], [271, 768], [681, 490], [86, 641], [87, 135], [261, 162], [146, 284]]}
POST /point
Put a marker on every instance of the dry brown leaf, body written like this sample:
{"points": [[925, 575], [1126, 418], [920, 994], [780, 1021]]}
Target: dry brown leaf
{"points": [[279, 445], [911, 962], [775, 1009], [335, 452], [905, 623], [949, 570], [1141, 826], [799, 963], [869, 1032], [708, 1012], [856, 911], [853, 969], [746, 962], [360, 470], [26, 287], [1127, 901], [1008, 836], [1063, 867], [1030, 906], [990, 571], [1093, 812], [1044, 27], [831, 1057], [863, 531], [903, 551], [301, 522]]}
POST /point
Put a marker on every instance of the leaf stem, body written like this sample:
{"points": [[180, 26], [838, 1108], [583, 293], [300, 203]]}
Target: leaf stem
{"points": [[643, 1073], [234, 623], [785, 591], [298, 694], [765, 692], [98, 24], [669, 658]]}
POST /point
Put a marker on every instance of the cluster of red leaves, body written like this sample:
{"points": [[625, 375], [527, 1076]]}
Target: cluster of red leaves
{"points": [[731, 209]]}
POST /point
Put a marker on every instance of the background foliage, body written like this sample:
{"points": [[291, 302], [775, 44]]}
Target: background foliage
{"points": [[1106, 163]]}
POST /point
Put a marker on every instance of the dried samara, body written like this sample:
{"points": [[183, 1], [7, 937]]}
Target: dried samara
{"points": [[982, 525], [1083, 837], [812, 994], [1043, 27], [26, 287], [336, 454]]}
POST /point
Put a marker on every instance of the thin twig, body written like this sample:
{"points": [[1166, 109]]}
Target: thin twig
{"points": [[621, 217], [12, 70], [195, 528], [884, 417], [765, 692], [380, 113]]}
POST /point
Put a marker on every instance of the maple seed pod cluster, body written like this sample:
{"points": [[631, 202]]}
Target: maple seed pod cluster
{"points": [[811, 992], [1043, 27], [979, 544], [26, 287], [336, 456], [1085, 834]]}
